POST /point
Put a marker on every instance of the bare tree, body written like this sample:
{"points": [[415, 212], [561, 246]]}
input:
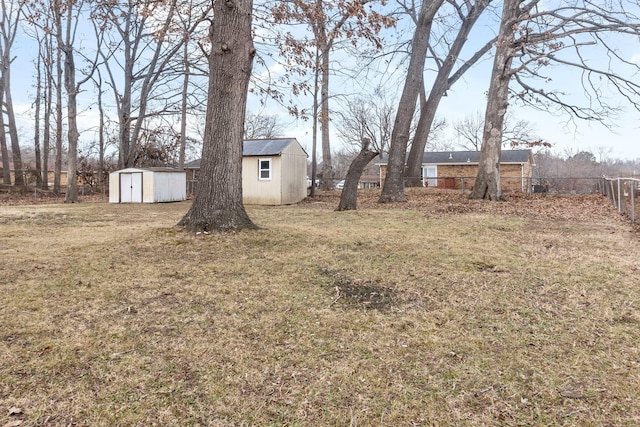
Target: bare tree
{"points": [[9, 23], [45, 20], [488, 180], [314, 130], [468, 12], [36, 133], [330, 21], [144, 38], [46, 54], [190, 67], [102, 143], [532, 39], [4, 151], [348, 198], [57, 173], [469, 132], [515, 132], [393, 189], [367, 117], [184, 105], [262, 126], [218, 199], [66, 20]]}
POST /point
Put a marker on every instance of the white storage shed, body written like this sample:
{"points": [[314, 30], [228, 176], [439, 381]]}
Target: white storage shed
{"points": [[274, 171], [147, 185]]}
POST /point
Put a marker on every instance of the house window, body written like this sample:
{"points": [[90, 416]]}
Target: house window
{"points": [[430, 176], [264, 169]]}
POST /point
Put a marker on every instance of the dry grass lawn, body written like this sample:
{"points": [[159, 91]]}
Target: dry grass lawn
{"points": [[437, 312]]}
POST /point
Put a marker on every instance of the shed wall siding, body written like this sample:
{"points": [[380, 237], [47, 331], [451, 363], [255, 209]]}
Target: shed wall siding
{"points": [[147, 187], [294, 172], [114, 187], [169, 187], [261, 192]]}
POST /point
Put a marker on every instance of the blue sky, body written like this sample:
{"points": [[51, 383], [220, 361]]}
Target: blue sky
{"points": [[468, 96], [465, 99]]}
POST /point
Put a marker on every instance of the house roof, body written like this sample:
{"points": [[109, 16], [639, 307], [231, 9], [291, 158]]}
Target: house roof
{"points": [[257, 147], [460, 157]]}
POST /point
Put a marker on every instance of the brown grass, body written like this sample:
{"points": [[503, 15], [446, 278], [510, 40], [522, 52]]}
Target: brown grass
{"points": [[441, 311]]}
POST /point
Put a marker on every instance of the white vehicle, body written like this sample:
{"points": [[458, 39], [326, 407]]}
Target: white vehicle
{"points": [[340, 185], [309, 183]]}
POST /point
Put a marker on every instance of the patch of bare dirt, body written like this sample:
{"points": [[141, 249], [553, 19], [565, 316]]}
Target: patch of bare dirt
{"points": [[360, 293]]}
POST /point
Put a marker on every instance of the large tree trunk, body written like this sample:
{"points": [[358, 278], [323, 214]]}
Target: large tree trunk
{"points": [[393, 189], [58, 160], [487, 185], [314, 143], [36, 133], [101, 141], [48, 101], [65, 45], [125, 159], [10, 14], [218, 199], [72, 123], [4, 150], [125, 156], [440, 86], [349, 196], [327, 166], [36, 120], [183, 108], [13, 131]]}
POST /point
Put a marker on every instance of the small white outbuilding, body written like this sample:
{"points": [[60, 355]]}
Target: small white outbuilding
{"points": [[147, 185], [274, 172]]}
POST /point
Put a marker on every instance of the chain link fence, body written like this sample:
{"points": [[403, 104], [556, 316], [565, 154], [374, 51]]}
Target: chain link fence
{"points": [[522, 184], [624, 193]]}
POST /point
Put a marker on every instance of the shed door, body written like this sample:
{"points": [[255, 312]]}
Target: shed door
{"points": [[131, 187]]}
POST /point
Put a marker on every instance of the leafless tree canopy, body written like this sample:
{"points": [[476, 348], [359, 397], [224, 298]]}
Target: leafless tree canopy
{"points": [[367, 117], [516, 133], [567, 36], [263, 126]]}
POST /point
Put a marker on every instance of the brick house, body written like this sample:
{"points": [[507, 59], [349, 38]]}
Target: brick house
{"points": [[458, 169]]}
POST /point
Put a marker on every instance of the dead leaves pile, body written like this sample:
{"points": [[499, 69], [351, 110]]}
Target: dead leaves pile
{"points": [[39, 197], [587, 207]]}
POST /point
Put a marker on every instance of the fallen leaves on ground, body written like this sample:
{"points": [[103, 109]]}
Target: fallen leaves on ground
{"points": [[579, 207]]}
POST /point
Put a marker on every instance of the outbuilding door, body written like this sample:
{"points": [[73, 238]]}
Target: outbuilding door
{"points": [[131, 187]]}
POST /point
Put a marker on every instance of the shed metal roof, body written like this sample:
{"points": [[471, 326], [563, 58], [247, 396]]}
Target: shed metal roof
{"points": [[460, 157], [152, 169], [256, 147], [265, 147]]}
